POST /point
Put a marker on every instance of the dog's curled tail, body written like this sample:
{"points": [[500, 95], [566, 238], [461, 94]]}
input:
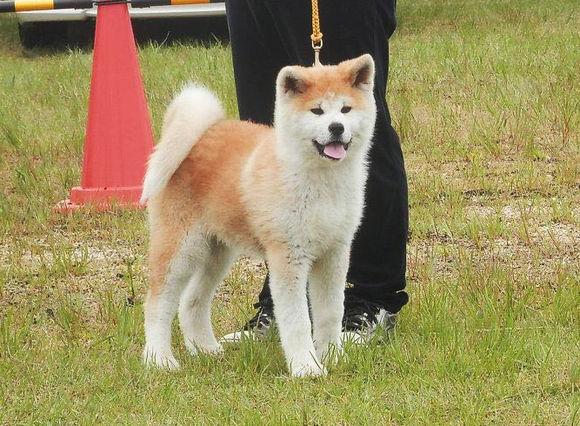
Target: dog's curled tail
{"points": [[188, 117]]}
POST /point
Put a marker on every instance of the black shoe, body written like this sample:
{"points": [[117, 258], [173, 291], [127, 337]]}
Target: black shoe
{"points": [[258, 326], [363, 319]]}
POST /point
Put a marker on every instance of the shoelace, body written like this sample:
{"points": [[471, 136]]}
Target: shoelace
{"points": [[358, 313]]}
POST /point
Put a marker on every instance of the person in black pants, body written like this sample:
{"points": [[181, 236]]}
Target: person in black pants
{"points": [[267, 35]]}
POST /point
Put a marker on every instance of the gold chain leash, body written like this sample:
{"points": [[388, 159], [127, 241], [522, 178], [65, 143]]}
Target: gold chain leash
{"points": [[316, 35]]}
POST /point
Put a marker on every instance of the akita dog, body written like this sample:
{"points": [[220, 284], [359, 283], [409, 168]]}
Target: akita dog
{"points": [[291, 194]]}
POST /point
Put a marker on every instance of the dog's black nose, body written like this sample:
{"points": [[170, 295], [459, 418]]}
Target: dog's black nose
{"points": [[336, 129]]}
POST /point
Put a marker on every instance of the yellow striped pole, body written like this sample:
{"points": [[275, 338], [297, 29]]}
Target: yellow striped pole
{"points": [[29, 5], [24, 5]]}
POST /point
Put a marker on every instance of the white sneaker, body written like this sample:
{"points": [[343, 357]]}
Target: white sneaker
{"points": [[363, 320], [256, 328]]}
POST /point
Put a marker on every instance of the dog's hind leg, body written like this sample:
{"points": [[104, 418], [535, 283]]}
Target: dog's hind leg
{"points": [[195, 303], [288, 275], [172, 264], [326, 290]]}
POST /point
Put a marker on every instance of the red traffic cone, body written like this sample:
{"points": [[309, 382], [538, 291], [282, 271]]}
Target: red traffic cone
{"points": [[119, 139]]}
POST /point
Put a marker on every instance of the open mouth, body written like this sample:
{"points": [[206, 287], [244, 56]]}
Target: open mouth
{"points": [[335, 150]]}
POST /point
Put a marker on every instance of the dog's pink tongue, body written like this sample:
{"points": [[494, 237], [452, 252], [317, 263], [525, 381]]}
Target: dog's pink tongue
{"points": [[335, 150]]}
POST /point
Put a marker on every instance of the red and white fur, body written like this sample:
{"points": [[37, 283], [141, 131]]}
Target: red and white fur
{"points": [[291, 194]]}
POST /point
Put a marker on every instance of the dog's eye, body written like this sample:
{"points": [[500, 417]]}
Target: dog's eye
{"points": [[317, 111], [345, 109]]}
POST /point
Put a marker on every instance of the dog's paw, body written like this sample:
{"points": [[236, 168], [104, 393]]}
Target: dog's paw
{"points": [[331, 355], [308, 370], [154, 358], [213, 350]]}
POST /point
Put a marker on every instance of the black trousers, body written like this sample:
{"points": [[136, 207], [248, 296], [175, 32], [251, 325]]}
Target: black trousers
{"points": [[269, 34]]}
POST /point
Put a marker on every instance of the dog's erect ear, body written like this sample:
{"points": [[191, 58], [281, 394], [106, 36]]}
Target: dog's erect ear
{"points": [[290, 81], [361, 72]]}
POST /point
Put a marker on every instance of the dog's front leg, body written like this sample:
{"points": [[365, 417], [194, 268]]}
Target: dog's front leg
{"points": [[326, 290], [288, 273]]}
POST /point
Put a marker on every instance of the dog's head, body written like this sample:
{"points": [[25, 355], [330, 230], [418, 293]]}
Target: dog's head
{"points": [[326, 113]]}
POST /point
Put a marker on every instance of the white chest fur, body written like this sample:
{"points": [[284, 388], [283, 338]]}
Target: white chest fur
{"points": [[315, 210]]}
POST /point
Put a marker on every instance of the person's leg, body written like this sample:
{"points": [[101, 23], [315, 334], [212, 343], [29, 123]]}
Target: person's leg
{"points": [[378, 254], [257, 56]]}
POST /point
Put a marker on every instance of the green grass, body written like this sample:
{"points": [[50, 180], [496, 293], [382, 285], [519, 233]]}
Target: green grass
{"points": [[485, 97]]}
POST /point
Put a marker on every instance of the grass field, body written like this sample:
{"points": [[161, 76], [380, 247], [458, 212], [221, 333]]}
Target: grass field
{"points": [[485, 96]]}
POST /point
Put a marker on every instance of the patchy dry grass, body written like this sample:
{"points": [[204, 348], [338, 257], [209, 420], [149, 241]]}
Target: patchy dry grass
{"points": [[485, 97]]}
